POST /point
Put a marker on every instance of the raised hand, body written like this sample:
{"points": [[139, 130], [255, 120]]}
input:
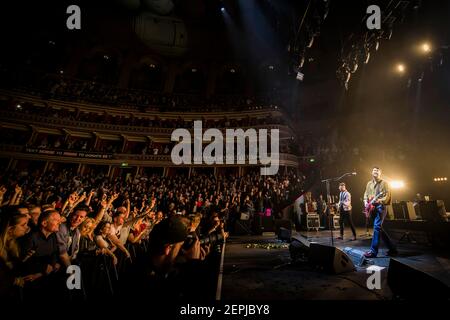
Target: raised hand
{"points": [[114, 196], [18, 189], [73, 198], [104, 203], [2, 190]]}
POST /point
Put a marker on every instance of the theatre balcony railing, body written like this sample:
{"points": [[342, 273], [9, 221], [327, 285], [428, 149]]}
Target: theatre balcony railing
{"points": [[58, 123], [102, 158], [269, 112]]}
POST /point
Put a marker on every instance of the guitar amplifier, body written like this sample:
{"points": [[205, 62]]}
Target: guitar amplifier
{"points": [[335, 221], [409, 209], [404, 210], [313, 221]]}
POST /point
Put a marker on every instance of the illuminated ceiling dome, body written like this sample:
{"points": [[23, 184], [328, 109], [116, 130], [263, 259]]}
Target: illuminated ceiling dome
{"points": [[165, 35]]}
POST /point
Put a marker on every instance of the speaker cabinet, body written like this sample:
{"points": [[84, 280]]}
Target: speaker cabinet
{"points": [[416, 280], [313, 221], [404, 210], [330, 259]]}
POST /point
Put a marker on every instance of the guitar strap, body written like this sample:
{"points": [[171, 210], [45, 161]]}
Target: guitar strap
{"points": [[377, 188]]}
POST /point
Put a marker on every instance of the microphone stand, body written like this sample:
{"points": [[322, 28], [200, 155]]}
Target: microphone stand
{"points": [[327, 183]]}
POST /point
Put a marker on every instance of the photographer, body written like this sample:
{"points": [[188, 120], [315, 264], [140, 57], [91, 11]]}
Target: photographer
{"points": [[193, 236], [216, 225]]}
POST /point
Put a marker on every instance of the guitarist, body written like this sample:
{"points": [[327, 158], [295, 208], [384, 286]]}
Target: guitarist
{"points": [[345, 210], [373, 188]]}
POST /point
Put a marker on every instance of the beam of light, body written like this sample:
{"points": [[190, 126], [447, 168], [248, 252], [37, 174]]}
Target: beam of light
{"points": [[397, 184]]}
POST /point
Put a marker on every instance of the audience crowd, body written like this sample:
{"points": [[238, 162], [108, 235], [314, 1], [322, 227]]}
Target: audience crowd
{"points": [[124, 233]]}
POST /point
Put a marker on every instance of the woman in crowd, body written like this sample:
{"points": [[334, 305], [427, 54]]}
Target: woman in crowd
{"points": [[13, 225]]}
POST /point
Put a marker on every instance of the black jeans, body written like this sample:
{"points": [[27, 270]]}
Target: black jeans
{"points": [[347, 216]]}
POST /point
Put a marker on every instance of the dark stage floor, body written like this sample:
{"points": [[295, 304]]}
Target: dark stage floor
{"points": [[254, 270]]}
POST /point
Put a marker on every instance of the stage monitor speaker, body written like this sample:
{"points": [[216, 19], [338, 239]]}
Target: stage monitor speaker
{"points": [[408, 282], [330, 259], [284, 234], [299, 247], [282, 223]]}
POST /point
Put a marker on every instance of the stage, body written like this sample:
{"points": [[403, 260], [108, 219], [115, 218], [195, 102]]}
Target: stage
{"points": [[260, 268]]}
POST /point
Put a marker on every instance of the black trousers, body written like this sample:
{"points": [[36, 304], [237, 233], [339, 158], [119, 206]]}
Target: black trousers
{"points": [[346, 217]]}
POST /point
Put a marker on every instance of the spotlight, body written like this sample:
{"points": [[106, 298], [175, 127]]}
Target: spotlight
{"points": [[18, 107], [222, 9], [426, 47], [400, 68], [397, 184]]}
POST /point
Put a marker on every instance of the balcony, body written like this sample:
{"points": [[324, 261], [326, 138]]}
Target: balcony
{"points": [[98, 158], [58, 123]]}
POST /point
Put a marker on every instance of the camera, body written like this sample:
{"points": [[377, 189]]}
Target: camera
{"points": [[212, 238]]}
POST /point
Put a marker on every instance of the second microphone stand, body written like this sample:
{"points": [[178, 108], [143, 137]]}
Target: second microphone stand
{"points": [[327, 183]]}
